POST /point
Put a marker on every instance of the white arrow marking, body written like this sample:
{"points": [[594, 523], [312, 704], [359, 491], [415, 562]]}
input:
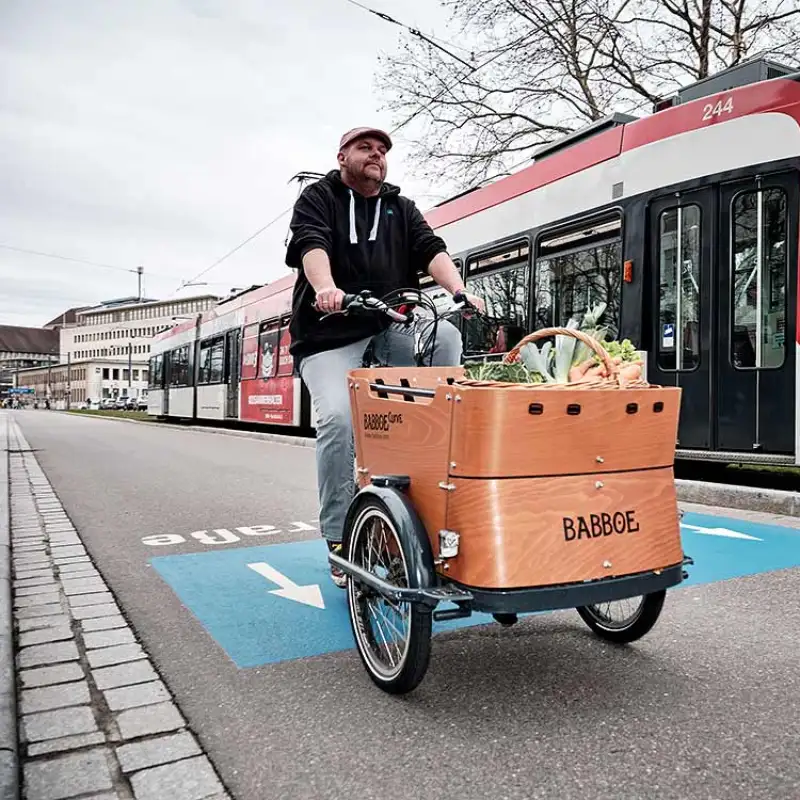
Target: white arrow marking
{"points": [[721, 532], [310, 595]]}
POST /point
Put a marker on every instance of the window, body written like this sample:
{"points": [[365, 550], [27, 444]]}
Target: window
{"points": [[154, 373], [115, 374], [179, 367], [125, 374], [105, 373], [212, 361], [501, 278], [268, 356], [679, 251], [577, 269], [758, 280]]}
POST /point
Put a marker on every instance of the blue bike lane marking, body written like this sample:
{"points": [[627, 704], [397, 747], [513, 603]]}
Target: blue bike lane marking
{"points": [[275, 603]]}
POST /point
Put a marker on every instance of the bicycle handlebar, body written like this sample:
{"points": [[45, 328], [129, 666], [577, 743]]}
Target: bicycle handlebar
{"points": [[460, 297], [366, 302]]}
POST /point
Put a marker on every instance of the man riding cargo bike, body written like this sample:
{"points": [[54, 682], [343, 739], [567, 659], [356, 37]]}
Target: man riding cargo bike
{"points": [[351, 233], [539, 482]]}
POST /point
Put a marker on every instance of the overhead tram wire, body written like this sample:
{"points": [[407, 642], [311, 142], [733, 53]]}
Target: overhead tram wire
{"points": [[415, 32], [301, 176], [67, 258], [235, 249], [461, 79], [472, 68]]}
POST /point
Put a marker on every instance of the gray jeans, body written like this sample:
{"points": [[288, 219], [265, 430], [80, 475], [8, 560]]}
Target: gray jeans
{"points": [[325, 375]]}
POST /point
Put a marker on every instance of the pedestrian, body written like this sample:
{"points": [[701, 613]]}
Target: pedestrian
{"points": [[351, 231]]}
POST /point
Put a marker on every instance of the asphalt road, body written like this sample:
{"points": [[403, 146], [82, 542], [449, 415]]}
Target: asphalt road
{"points": [[704, 707]]}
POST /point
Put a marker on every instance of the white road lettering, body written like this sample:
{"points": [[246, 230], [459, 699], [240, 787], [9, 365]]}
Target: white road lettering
{"points": [[224, 536], [309, 595], [163, 539], [259, 530], [301, 526]]}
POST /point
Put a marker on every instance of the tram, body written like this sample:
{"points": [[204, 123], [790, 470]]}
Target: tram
{"points": [[684, 223]]}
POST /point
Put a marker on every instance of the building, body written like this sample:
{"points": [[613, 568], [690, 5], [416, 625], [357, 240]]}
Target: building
{"points": [[121, 330], [95, 352], [81, 381], [68, 317], [22, 348]]}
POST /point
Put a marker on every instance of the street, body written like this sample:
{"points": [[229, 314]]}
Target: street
{"points": [[209, 544]]}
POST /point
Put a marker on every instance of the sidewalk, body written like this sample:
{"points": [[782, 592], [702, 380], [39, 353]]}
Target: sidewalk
{"points": [[95, 720]]}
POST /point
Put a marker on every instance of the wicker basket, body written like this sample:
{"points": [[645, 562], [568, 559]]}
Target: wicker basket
{"points": [[612, 379]]}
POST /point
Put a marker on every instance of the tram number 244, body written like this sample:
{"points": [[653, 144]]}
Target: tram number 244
{"points": [[711, 110]]}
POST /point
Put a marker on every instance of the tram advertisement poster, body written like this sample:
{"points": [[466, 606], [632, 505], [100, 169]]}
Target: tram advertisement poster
{"points": [[270, 396], [269, 401]]}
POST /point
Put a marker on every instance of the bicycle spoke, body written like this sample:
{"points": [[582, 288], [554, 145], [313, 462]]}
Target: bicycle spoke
{"points": [[383, 625]]}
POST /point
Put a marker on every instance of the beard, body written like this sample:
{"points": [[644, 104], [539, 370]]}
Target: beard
{"points": [[368, 172]]}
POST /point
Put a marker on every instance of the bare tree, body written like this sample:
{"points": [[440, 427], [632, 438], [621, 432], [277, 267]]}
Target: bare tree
{"points": [[530, 71]]}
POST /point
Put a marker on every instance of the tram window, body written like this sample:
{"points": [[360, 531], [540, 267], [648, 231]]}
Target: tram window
{"points": [[212, 361], [285, 361], [427, 282], [501, 279], [179, 371], [155, 380], [268, 350], [759, 274], [576, 270], [679, 249], [204, 364], [217, 362]]}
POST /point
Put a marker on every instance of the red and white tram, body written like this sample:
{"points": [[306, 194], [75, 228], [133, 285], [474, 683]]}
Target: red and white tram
{"points": [[685, 223], [231, 363]]}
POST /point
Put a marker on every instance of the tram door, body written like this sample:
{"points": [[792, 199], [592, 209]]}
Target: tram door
{"points": [[757, 314], [682, 228], [166, 380], [724, 267], [233, 351]]}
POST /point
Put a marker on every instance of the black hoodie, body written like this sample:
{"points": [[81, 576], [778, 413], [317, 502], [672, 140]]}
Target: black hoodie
{"points": [[380, 251]]}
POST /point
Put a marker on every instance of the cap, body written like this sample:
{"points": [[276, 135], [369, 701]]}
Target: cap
{"points": [[357, 133]]}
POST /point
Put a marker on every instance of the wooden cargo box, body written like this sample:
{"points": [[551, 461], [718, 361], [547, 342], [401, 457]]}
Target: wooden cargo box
{"points": [[544, 485]]}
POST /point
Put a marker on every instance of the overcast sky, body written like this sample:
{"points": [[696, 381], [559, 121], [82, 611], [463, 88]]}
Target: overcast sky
{"points": [[164, 132]]}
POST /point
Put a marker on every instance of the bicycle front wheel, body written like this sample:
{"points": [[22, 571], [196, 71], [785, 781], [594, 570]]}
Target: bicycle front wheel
{"points": [[393, 638]]}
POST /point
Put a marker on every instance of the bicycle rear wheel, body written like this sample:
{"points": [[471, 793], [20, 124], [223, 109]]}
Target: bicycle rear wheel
{"points": [[624, 621]]}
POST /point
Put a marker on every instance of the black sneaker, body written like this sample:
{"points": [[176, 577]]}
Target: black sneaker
{"points": [[337, 576]]}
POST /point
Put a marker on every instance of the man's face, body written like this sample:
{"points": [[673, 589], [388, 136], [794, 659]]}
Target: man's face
{"points": [[365, 159]]}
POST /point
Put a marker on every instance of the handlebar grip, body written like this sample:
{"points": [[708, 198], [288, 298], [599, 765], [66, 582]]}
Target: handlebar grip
{"points": [[460, 297], [347, 299]]}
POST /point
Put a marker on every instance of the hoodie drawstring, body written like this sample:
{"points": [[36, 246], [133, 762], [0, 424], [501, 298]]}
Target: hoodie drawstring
{"points": [[373, 235], [353, 234], [374, 232]]}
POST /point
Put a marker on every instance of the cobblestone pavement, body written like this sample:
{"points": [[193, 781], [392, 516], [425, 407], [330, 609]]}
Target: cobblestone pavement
{"points": [[97, 722]]}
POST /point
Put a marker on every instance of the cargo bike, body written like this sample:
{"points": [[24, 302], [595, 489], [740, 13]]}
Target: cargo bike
{"points": [[505, 498]]}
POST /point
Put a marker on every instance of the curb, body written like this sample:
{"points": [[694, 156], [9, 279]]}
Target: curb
{"points": [[744, 498], [9, 766], [723, 495], [277, 438]]}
